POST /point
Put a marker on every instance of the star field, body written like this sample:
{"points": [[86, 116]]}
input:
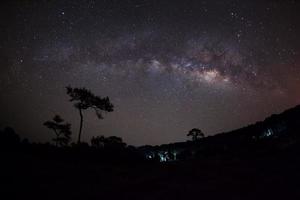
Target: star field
{"points": [[167, 66]]}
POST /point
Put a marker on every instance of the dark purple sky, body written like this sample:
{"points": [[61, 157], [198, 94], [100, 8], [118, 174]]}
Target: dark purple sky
{"points": [[167, 66]]}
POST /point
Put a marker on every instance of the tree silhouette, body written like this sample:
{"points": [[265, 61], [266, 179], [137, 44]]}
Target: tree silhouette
{"points": [[62, 130], [85, 99], [98, 141], [195, 133]]}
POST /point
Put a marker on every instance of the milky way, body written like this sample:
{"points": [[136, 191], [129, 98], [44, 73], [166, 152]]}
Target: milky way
{"points": [[167, 66]]}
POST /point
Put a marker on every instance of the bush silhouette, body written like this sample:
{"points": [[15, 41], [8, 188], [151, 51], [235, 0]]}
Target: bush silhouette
{"points": [[98, 141], [111, 142], [8, 138]]}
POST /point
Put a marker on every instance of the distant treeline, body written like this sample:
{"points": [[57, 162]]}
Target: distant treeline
{"points": [[101, 149], [276, 133]]}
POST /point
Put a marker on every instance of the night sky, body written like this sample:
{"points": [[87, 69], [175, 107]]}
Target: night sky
{"points": [[167, 66]]}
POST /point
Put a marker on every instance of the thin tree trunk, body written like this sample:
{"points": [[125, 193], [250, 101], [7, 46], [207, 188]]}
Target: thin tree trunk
{"points": [[80, 127]]}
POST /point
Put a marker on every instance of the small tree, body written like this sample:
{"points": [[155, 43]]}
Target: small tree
{"points": [[195, 134], [62, 130], [85, 99]]}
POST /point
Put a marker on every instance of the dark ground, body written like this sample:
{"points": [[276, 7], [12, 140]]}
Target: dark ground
{"points": [[274, 176]]}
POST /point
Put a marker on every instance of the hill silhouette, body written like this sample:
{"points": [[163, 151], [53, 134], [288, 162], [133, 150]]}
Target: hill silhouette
{"points": [[277, 132], [260, 161]]}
